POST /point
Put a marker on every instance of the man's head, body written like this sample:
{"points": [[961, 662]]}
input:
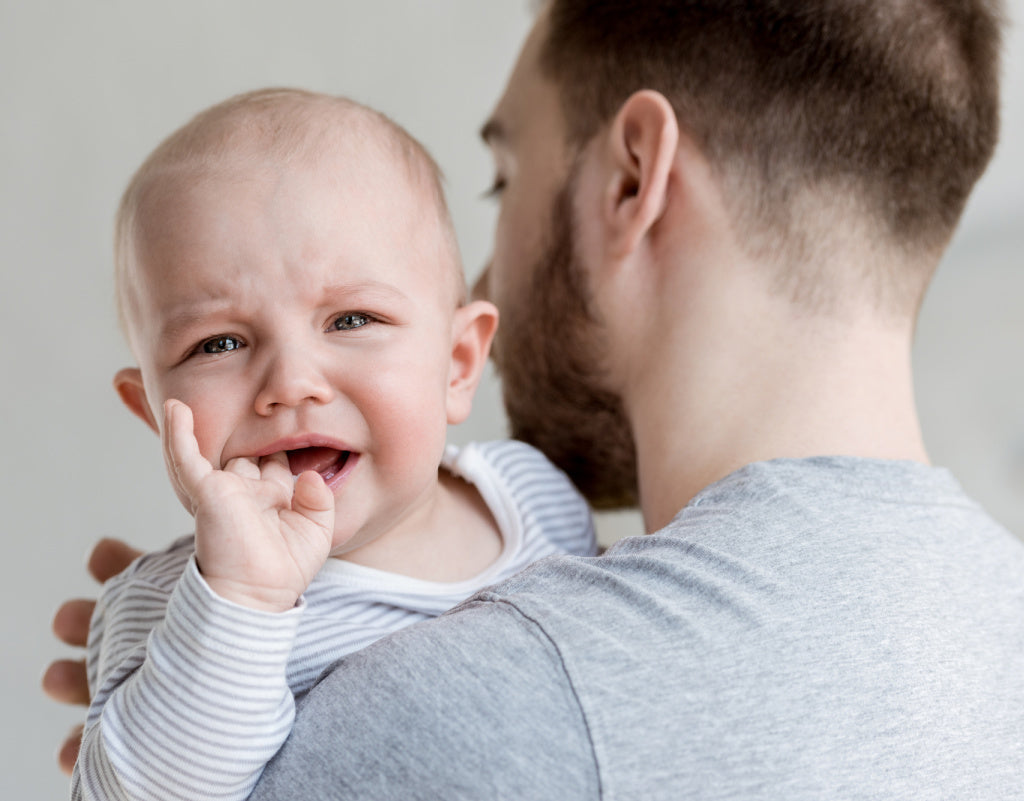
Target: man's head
{"points": [[843, 138], [888, 107], [286, 268]]}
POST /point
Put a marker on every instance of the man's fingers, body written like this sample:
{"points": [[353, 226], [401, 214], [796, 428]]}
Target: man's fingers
{"points": [[68, 752], [71, 623], [65, 681], [109, 557]]}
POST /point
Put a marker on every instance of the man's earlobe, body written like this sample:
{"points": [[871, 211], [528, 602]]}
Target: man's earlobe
{"points": [[644, 139], [472, 332], [128, 383]]}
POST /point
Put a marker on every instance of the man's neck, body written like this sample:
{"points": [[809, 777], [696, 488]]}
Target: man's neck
{"points": [[810, 388]]}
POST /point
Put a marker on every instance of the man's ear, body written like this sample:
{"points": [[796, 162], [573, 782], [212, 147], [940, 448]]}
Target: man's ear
{"points": [[472, 331], [128, 383], [644, 139]]}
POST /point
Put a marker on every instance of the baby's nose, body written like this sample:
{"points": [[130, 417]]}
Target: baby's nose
{"points": [[293, 378]]}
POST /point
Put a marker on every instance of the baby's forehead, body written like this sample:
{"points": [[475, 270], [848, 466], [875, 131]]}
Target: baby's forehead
{"points": [[369, 194], [337, 142]]}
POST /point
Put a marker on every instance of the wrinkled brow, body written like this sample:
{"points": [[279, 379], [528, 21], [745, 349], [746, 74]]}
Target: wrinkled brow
{"points": [[177, 324]]}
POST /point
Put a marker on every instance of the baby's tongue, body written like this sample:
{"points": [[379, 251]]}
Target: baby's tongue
{"points": [[318, 459]]}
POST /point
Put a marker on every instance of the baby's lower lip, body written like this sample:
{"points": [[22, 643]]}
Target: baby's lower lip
{"points": [[339, 476], [336, 472]]}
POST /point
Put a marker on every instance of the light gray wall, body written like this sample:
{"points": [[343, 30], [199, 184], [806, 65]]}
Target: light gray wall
{"points": [[89, 88]]}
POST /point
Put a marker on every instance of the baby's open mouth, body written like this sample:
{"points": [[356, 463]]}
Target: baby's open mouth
{"points": [[328, 462]]}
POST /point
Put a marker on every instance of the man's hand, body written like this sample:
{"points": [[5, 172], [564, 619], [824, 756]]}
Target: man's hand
{"points": [[261, 535], [65, 679]]}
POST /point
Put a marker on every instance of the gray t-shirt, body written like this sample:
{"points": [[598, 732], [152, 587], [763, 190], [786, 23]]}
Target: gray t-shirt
{"points": [[827, 628]]}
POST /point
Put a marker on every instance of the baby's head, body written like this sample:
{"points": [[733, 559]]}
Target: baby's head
{"points": [[286, 266]]}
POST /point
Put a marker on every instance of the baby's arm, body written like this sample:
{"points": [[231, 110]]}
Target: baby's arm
{"points": [[188, 704], [199, 707]]}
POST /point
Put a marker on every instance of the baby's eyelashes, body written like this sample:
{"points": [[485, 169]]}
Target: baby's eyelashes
{"points": [[349, 321], [215, 346], [220, 344]]}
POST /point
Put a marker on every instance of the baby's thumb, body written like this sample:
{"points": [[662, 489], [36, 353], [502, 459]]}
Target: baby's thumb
{"points": [[314, 500]]}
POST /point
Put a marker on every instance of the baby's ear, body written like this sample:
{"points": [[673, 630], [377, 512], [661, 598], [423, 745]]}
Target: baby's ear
{"points": [[472, 331], [128, 383]]}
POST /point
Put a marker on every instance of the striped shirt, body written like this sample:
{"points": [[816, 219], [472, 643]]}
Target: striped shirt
{"points": [[192, 695]]}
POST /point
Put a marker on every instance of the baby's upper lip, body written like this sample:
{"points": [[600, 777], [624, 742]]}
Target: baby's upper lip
{"points": [[298, 442]]}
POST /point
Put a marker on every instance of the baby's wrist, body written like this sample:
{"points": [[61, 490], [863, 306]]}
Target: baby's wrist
{"points": [[262, 599]]}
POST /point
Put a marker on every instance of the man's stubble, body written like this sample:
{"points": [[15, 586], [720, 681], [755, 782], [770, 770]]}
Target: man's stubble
{"points": [[548, 352]]}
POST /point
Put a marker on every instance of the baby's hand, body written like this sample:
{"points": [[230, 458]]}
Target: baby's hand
{"points": [[261, 535]]}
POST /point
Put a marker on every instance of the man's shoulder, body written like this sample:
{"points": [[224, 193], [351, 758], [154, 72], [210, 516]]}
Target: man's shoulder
{"points": [[479, 700], [842, 505], [792, 611]]}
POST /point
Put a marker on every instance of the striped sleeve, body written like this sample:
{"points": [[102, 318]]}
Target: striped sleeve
{"points": [[554, 515], [195, 710]]}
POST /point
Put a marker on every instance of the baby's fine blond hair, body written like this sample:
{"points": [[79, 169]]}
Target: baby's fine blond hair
{"points": [[285, 125]]}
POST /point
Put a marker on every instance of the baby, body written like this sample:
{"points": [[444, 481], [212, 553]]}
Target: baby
{"points": [[290, 286]]}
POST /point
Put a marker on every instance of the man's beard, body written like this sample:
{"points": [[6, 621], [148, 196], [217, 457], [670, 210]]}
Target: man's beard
{"points": [[548, 355]]}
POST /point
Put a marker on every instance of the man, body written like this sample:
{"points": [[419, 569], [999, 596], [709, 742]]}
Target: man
{"points": [[717, 223]]}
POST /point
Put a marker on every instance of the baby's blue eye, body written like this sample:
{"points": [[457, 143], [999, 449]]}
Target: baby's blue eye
{"points": [[350, 321], [221, 345]]}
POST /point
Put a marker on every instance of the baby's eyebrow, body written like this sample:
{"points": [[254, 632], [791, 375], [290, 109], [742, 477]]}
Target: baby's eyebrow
{"points": [[363, 288], [183, 316], [176, 324], [179, 321]]}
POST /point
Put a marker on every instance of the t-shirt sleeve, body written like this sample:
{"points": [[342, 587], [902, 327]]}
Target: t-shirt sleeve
{"points": [[475, 704]]}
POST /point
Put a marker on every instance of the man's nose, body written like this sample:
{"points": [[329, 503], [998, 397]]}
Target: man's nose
{"points": [[291, 378], [482, 286]]}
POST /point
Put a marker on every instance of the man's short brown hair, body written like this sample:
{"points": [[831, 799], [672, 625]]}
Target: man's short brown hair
{"points": [[896, 100]]}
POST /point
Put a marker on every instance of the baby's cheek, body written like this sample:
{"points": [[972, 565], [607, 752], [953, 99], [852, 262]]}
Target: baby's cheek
{"points": [[207, 436], [411, 439]]}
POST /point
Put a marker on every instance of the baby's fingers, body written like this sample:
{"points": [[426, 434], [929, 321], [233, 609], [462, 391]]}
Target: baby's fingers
{"points": [[243, 466], [314, 500], [275, 468], [185, 463]]}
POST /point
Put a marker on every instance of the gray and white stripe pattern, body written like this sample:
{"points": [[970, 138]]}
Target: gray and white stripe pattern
{"points": [[193, 694]]}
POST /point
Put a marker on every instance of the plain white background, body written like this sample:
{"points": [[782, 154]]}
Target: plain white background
{"points": [[89, 88]]}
